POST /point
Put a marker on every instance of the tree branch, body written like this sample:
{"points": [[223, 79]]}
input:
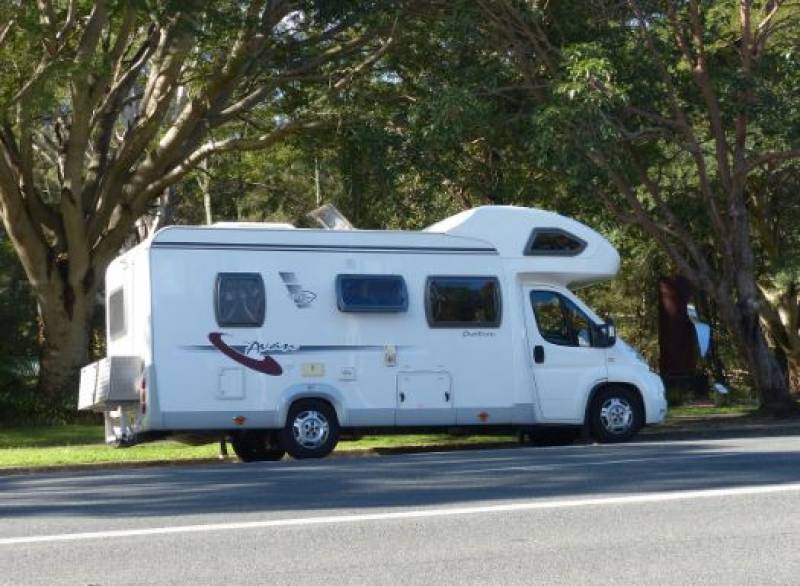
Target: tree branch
{"points": [[105, 118], [706, 87], [677, 226], [5, 30], [173, 49], [107, 247], [28, 240], [771, 158], [661, 233], [681, 122], [765, 27], [368, 61], [179, 170]]}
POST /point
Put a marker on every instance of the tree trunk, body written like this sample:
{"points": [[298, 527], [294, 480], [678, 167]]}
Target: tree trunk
{"points": [[204, 182], [793, 366], [782, 325], [677, 339], [65, 320], [768, 377]]}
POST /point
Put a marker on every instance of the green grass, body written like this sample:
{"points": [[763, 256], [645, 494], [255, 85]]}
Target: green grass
{"points": [[98, 454], [420, 440], [52, 435], [83, 444], [711, 410]]}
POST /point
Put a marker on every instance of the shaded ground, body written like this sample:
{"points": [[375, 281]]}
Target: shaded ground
{"points": [[64, 447]]}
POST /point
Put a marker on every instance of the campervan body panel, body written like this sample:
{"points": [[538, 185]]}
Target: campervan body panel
{"points": [[511, 231], [128, 304], [128, 323], [377, 369]]}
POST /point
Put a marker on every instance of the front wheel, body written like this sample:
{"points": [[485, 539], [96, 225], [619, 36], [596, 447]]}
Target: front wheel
{"points": [[311, 430], [615, 415]]}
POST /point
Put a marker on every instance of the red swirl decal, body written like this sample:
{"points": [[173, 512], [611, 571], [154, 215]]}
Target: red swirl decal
{"points": [[266, 364]]}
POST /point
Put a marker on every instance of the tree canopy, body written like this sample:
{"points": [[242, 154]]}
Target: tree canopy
{"points": [[683, 119], [104, 105], [674, 127]]}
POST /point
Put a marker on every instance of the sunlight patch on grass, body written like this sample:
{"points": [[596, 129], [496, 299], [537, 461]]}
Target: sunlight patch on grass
{"points": [[69, 445], [711, 410], [96, 454]]}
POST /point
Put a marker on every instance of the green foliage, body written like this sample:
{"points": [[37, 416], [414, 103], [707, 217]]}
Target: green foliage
{"points": [[448, 118], [590, 79], [437, 127], [18, 344], [17, 321]]}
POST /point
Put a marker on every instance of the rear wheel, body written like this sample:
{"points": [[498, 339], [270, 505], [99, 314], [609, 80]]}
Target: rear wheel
{"points": [[615, 416], [257, 446], [311, 430]]}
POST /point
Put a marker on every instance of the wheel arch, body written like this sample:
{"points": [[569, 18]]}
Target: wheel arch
{"points": [[598, 388], [319, 392]]}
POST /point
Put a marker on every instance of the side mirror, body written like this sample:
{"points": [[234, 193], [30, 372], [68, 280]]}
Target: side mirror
{"points": [[607, 334]]}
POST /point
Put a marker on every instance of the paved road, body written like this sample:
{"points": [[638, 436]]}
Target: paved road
{"points": [[710, 511]]}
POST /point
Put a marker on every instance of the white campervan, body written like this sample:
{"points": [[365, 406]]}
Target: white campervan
{"points": [[280, 338]]}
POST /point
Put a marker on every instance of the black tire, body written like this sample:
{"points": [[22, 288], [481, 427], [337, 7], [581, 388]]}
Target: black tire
{"points": [[311, 430], [554, 436], [615, 415], [257, 446]]}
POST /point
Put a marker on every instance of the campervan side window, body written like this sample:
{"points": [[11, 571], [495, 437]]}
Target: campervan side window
{"points": [[469, 302], [116, 314], [553, 242], [371, 293], [239, 300]]}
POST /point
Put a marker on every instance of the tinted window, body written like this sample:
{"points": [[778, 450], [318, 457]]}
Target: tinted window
{"points": [[554, 241], [240, 300], [472, 302], [371, 293], [560, 321], [116, 314]]}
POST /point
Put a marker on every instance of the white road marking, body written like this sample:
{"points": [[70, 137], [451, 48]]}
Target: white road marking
{"points": [[415, 514]]}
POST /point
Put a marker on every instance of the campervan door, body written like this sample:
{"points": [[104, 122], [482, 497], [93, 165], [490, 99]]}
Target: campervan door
{"points": [[568, 359]]}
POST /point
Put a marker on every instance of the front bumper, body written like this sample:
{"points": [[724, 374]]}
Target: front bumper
{"points": [[655, 400]]}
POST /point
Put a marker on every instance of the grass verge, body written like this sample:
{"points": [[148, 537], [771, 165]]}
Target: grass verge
{"points": [[69, 445], [83, 444], [702, 410]]}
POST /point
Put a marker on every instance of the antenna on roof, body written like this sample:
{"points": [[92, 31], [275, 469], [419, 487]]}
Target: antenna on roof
{"points": [[330, 218]]}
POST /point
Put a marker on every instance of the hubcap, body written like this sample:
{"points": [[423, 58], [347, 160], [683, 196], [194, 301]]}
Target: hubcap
{"points": [[616, 415], [311, 429]]}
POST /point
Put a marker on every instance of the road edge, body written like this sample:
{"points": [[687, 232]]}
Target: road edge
{"points": [[692, 428]]}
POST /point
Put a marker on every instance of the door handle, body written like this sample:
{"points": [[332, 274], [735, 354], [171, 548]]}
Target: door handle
{"points": [[447, 397], [538, 354], [402, 397]]}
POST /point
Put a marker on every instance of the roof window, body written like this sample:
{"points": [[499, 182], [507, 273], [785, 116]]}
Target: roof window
{"points": [[553, 242]]}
